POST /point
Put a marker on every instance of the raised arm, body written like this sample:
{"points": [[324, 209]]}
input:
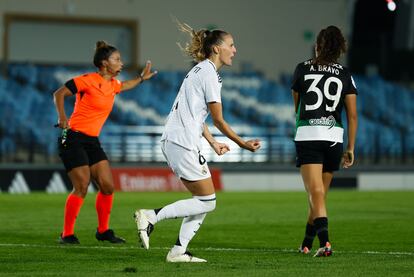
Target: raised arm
{"points": [[221, 124], [59, 100], [146, 74]]}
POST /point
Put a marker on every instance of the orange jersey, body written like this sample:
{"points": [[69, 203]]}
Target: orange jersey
{"points": [[95, 98]]}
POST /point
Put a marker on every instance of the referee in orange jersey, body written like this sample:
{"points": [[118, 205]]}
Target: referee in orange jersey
{"points": [[79, 146]]}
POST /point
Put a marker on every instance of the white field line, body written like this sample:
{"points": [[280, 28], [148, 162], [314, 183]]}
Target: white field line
{"points": [[22, 245]]}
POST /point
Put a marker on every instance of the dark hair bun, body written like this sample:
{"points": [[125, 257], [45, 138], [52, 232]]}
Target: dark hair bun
{"points": [[101, 44]]}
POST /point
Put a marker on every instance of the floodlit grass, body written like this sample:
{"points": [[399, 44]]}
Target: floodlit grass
{"points": [[249, 234]]}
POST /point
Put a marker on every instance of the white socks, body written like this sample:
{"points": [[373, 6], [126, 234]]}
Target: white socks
{"points": [[183, 208], [188, 229], [193, 210]]}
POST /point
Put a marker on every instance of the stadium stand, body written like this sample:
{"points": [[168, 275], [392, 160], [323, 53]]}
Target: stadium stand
{"points": [[259, 107]]}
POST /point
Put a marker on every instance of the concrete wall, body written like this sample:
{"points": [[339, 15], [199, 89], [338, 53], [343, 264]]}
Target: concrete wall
{"points": [[270, 34]]}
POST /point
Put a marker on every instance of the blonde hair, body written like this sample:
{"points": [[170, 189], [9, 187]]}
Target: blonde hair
{"points": [[202, 41]]}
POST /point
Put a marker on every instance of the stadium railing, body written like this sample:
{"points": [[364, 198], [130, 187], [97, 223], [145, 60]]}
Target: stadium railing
{"points": [[259, 107]]}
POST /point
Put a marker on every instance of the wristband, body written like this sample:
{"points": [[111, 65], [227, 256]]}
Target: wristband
{"points": [[142, 78]]}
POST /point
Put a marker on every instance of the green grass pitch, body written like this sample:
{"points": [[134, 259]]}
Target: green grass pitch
{"points": [[249, 234]]}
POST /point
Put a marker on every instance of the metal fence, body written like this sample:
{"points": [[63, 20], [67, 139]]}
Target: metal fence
{"points": [[129, 144], [142, 144]]}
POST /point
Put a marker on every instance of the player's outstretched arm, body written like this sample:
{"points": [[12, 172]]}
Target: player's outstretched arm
{"points": [[146, 74], [218, 147], [221, 124]]}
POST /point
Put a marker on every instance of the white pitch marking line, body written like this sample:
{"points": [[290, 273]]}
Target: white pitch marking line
{"points": [[201, 249]]}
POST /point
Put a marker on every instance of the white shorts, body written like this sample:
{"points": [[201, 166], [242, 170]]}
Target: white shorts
{"points": [[187, 164]]}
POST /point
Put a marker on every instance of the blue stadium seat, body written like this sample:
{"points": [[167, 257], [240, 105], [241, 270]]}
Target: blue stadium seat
{"points": [[27, 110]]}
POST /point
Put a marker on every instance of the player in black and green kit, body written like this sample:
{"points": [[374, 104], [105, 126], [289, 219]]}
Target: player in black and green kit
{"points": [[321, 88]]}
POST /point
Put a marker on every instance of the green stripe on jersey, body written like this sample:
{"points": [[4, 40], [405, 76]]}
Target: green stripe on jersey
{"points": [[297, 117]]}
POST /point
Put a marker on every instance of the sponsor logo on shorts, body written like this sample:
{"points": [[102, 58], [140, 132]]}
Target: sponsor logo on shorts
{"points": [[323, 121]]}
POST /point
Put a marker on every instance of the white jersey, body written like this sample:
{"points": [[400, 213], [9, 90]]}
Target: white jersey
{"points": [[201, 86]]}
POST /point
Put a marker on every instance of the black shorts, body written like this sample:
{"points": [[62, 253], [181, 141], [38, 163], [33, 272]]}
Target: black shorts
{"points": [[77, 149], [327, 153]]}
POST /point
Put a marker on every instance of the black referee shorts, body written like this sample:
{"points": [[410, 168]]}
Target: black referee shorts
{"points": [[327, 153], [77, 149]]}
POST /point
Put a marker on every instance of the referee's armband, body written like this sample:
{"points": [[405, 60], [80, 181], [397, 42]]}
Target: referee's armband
{"points": [[71, 86]]}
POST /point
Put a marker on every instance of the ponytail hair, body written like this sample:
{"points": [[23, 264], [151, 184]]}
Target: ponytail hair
{"points": [[330, 44], [102, 52], [202, 41]]}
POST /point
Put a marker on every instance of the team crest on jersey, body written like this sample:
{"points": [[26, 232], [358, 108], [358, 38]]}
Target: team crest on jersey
{"points": [[323, 121], [219, 78], [204, 170]]}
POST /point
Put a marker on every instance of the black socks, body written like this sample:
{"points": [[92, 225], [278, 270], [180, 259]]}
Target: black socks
{"points": [[321, 228], [310, 234]]}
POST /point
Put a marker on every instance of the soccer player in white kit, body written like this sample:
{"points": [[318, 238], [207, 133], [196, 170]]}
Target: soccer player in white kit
{"points": [[199, 95]]}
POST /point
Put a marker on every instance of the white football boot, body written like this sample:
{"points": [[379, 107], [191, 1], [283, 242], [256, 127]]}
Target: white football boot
{"points": [[144, 228], [187, 257]]}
